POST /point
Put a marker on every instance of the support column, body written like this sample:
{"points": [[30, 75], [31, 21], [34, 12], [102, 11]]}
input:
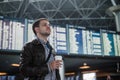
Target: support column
{"points": [[115, 10], [117, 19]]}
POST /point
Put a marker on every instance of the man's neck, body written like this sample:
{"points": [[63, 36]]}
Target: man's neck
{"points": [[44, 38]]}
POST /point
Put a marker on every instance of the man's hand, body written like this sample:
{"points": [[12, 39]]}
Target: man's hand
{"points": [[55, 64]]}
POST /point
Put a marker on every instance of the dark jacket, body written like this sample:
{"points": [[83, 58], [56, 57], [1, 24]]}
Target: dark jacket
{"points": [[33, 63]]}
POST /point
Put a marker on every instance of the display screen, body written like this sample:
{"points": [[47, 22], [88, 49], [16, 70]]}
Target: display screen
{"points": [[117, 49], [12, 32], [96, 43], [30, 33], [84, 42], [117, 44], [89, 76], [58, 39], [76, 41], [88, 41], [108, 43]]}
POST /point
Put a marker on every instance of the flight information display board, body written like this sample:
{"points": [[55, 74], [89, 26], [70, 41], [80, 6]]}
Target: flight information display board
{"points": [[51, 38], [117, 49], [30, 33], [88, 41], [96, 43], [108, 43], [58, 39], [84, 42], [116, 38], [93, 42], [64, 39], [11, 34], [76, 41]]}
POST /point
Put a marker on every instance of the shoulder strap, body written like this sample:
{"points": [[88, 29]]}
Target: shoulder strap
{"points": [[49, 55]]}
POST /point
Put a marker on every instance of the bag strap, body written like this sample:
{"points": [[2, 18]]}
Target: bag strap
{"points": [[49, 46]]}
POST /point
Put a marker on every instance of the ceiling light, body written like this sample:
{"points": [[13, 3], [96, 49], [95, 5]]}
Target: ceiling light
{"points": [[84, 66], [3, 73], [70, 73], [91, 71], [15, 65]]}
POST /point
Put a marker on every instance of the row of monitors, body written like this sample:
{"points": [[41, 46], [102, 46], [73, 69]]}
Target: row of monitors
{"points": [[65, 39]]}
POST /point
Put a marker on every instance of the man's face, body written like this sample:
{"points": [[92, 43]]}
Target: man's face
{"points": [[44, 28]]}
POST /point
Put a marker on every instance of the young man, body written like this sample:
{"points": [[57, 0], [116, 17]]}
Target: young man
{"points": [[37, 59]]}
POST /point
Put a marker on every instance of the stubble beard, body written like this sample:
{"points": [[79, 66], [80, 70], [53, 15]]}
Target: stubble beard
{"points": [[45, 34]]}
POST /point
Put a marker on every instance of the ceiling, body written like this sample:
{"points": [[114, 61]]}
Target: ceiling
{"points": [[88, 13]]}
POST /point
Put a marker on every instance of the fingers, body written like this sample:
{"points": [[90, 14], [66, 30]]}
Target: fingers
{"points": [[56, 64]]}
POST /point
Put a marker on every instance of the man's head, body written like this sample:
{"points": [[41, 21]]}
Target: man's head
{"points": [[42, 27]]}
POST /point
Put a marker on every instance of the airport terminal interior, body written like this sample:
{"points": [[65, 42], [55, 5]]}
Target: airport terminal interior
{"points": [[85, 33]]}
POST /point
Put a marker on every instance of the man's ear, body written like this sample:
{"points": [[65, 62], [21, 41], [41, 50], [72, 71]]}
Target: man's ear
{"points": [[36, 29]]}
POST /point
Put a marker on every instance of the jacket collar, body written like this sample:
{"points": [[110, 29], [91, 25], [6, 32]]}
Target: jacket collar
{"points": [[36, 42]]}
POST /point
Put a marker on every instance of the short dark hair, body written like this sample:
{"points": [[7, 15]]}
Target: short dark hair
{"points": [[36, 24]]}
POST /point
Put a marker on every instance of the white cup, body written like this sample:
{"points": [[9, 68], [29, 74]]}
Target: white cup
{"points": [[61, 69], [58, 57]]}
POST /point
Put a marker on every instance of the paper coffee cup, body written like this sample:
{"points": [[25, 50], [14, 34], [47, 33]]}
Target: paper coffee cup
{"points": [[61, 69], [58, 57]]}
